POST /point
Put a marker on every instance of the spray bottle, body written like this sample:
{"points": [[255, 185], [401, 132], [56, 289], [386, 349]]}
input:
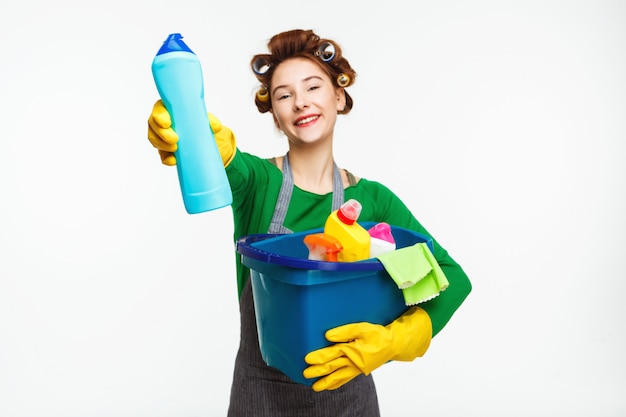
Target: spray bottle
{"points": [[178, 77], [342, 225]]}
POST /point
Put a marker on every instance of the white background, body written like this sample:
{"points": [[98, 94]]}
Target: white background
{"points": [[501, 124]]}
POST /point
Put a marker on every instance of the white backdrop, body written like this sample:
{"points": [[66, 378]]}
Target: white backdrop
{"points": [[501, 124]]}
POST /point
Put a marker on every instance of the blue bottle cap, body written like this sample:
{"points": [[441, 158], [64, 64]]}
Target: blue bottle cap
{"points": [[173, 43]]}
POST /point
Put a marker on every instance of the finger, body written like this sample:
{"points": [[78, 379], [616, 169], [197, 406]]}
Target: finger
{"points": [[160, 115], [216, 125], [344, 376], [167, 158], [157, 141], [337, 379], [326, 368], [346, 333], [166, 134], [323, 355]]}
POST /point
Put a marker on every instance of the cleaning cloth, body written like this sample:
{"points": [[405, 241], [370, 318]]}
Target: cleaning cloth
{"points": [[416, 272]]}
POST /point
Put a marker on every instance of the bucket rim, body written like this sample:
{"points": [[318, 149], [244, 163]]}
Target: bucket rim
{"points": [[245, 248]]}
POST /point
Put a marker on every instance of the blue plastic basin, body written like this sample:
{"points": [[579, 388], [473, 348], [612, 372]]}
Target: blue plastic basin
{"points": [[297, 300]]}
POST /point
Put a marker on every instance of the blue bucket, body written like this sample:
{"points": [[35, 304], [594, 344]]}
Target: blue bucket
{"points": [[297, 300]]}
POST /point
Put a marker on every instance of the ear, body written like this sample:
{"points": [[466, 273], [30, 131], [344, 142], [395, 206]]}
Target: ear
{"points": [[341, 99]]}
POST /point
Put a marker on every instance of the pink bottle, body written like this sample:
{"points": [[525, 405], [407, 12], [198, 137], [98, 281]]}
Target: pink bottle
{"points": [[381, 239]]}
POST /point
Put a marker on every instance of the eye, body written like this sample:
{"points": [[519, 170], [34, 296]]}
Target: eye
{"points": [[281, 94]]}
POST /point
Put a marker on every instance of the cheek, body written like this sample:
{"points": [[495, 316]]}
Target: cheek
{"points": [[282, 113], [277, 120]]}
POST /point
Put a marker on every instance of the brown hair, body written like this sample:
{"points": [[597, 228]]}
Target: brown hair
{"points": [[306, 44]]}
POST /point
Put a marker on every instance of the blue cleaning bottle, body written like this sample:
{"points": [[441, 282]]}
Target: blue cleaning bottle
{"points": [[178, 77]]}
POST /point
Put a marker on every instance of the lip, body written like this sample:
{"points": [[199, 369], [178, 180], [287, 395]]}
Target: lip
{"points": [[314, 118]]}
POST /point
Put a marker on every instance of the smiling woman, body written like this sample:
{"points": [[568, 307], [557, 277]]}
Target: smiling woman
{"points": [[305, 103], [303, 85]]}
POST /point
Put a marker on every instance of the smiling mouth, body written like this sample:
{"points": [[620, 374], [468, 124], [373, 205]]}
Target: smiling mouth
{"points": [[306, 120]]}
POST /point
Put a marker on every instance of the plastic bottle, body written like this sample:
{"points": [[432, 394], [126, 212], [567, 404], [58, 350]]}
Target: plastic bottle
{"points": [[322, 247], [178, 77], [382, 239], [342, 225]]}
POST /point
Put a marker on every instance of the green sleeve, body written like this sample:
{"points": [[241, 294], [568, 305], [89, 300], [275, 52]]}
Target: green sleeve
{"points": [[381, 205]]}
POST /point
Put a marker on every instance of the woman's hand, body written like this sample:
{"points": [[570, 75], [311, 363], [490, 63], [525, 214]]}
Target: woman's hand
{"points": [[363, 347], [164, 138]]}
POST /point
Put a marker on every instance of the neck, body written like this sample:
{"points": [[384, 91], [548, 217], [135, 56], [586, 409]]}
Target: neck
{"points": [[312, 169]]}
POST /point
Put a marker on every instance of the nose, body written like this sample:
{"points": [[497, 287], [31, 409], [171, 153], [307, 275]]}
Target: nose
{"points": [[300, 102]]}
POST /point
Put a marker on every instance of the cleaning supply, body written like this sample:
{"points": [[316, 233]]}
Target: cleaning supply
{"points": [[178, 77], [363, 347], [382, 240], [322, 247], [342, 225], [297, 300], [416, 272]]}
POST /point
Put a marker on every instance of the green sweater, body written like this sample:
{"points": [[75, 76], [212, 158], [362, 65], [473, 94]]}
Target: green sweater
{"points": [[256, 182]]}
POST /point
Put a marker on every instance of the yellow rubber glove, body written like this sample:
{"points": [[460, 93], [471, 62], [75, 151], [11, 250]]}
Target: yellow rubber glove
{"points": [[164, 138], [363, 347]]}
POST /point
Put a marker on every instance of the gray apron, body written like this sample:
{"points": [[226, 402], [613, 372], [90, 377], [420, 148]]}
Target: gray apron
{"points": [[263, 391]]}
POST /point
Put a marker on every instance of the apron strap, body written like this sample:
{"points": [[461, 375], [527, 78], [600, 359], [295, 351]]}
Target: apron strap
{"points": [[284, 197]]}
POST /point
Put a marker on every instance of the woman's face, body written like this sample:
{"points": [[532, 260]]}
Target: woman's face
{"points": [[305, 102]]}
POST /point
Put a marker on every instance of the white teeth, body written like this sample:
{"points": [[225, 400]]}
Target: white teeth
{"points": [[307, 120]]}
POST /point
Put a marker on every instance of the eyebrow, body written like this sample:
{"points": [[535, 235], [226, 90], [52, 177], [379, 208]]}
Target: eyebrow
{"points": [[304, 80]]}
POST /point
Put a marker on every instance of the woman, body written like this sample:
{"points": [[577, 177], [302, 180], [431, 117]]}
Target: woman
{"points": [[303, 86]]}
